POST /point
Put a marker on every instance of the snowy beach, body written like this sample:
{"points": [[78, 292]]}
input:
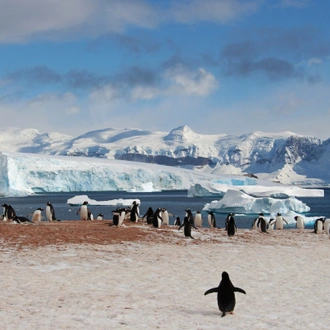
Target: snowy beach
{"points": [[83, 275]]}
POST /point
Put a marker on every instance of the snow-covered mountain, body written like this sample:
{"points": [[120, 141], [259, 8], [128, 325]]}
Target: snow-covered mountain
{"points": [[285, 157]]}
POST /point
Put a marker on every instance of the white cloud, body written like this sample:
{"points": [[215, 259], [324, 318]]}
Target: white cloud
{"points": [[105, 93], [145, 93], [314, 61], [198, 82]]}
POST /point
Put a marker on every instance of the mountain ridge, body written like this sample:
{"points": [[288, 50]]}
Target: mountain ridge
{"points": [[285, 156]]}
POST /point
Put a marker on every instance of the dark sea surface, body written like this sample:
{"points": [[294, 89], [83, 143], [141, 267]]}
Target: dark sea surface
{"points": [[174, 201]]}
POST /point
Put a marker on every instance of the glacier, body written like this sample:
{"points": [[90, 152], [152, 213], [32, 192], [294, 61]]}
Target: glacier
{"points": [[25, 174]]}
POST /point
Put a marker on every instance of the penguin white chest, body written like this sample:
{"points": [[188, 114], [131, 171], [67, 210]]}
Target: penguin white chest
{"points": [[48, 214], [36, 217], [83, 212]]}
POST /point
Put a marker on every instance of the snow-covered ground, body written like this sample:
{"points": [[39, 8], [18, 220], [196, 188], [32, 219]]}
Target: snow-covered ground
{"points": [[161, 284]]}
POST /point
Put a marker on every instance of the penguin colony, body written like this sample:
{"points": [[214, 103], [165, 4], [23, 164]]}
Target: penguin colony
{"points": [[160, 218]]}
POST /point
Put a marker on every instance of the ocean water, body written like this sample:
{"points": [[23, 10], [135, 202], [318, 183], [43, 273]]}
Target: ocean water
{"points": [[174, 201]]}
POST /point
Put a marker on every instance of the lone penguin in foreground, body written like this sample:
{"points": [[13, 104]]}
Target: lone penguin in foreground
{"points": [[226, 294]]}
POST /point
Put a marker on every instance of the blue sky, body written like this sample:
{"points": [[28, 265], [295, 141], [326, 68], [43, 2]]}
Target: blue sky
{"points": [[218, 66]]}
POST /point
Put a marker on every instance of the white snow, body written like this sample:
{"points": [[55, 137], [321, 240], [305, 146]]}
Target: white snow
{"points": [[238, 202], [24, 174], [285, 157], [79, 199], [157, 285]]}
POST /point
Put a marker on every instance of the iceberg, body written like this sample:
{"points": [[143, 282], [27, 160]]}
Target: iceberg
{"points": [[235, 201], [260, 188], [79, 199]]}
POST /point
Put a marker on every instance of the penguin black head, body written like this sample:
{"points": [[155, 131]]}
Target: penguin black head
{"points": [[225, 276], [85, 203], [261, 214], [278, 214], [40, 209]]}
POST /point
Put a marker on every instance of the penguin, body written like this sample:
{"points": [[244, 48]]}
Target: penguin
{"points": [[36, 215], [115, 216], [21, 219], [100, 216], [9, 212], [149, 215], [83, 211], [122, 215], [261, 223], [254, 223], [227, 220], [50, 212], [90, 214], [318, 225], [198, 220], [165, 216], [231, 226], [190, 216], [135, 214], [271, 223], [279, 221], [300, 223], [211, 219], [326, 226], [177, 221], [157, 218], [226, 294], [187, 227], [118, 216]]}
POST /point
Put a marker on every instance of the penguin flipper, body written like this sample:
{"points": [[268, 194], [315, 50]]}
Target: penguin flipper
{"points": [[239, 290], [213, 290]]}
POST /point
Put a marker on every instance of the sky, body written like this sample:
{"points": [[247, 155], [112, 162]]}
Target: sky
{"points": [[218, 66]]}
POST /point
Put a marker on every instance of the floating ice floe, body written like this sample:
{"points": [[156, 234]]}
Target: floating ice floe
{"points": [[253, 187], [79, 199], [238, 202]]}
